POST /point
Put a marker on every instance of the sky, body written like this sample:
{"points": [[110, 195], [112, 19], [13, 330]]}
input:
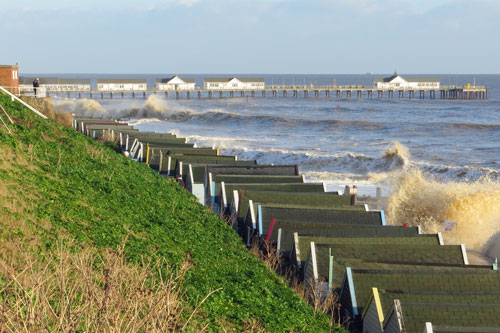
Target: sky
{"points": [[251, 36]]}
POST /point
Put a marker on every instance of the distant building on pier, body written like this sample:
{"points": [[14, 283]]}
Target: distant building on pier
{"points": [[121, 85], [175, 83], [54, 84], [243, 83], [396, 81], [9, 78]]}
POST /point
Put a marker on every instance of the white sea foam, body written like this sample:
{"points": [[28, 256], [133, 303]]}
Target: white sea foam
{"points": [[154, 107], [143, 121]]}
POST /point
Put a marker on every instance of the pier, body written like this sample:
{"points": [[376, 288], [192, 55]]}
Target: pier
{"points": [[293, 91], [336, 92]]}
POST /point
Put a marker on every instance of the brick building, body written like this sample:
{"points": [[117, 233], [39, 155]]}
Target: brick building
{"points": [[9, 78]]}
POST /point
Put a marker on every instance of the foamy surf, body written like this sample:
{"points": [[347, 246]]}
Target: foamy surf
{"points": [[474, 206], [154, 107]]}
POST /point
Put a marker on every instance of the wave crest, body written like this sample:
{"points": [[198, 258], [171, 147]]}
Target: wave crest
{"points": [[418, 199]]}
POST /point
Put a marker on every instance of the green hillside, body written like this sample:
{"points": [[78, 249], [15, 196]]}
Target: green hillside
{"points": [[61, 187]]}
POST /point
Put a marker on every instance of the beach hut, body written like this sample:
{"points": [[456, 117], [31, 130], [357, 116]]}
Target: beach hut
{"points": [[462, 298]]}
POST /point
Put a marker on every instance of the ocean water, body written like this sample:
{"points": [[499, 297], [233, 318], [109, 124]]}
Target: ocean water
{"points": [[442, 143], [337, 140]]}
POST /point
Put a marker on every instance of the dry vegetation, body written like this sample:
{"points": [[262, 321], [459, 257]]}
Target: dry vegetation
{"points": [[108, 136], [45, 106], [64, 118], [89, 291], [329, 305]]}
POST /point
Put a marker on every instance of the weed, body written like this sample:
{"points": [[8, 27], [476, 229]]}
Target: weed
{"points": [[87, 291]]}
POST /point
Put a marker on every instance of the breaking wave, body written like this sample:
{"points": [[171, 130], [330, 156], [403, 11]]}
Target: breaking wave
{"points": [[160, 108], [419, 199], [355, 166], [83, 107], [309, 160]]}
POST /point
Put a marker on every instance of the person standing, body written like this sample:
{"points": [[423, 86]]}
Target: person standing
{"points": [[36, 85]]}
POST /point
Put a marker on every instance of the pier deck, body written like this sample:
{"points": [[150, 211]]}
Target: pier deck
{"points": [[338, 92]]}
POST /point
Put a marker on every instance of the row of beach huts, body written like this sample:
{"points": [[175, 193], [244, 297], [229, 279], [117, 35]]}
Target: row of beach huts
{"points": [[388, 278], [174, 83]]}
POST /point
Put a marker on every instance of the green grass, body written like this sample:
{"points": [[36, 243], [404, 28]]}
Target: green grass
{"points": [[73, 186]]}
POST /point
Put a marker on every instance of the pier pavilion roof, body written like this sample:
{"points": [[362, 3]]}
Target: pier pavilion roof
{"points": [[422, 79], [167, 80], [407, 79], [217, 79], [251, 79], [52, 80], [121, 81], [227, 79], [43, 80]]}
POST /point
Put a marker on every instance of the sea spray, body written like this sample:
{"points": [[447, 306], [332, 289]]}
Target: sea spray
{"points": [[397, 155], [418, 199], [154, 107], [83, 107]]}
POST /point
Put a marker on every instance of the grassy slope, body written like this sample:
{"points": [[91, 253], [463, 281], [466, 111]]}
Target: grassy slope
{"points": [[68, 184]]}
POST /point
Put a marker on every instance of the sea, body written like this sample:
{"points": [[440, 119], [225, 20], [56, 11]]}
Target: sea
{"points": [[437, 160]]}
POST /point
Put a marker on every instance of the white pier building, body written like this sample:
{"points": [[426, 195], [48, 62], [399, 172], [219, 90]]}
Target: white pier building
{"points": [[396, 81], [234, 83], [175, 83]]}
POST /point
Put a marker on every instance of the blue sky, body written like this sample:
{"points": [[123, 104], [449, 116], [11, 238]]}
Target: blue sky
{"points": [[251, 36]]}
